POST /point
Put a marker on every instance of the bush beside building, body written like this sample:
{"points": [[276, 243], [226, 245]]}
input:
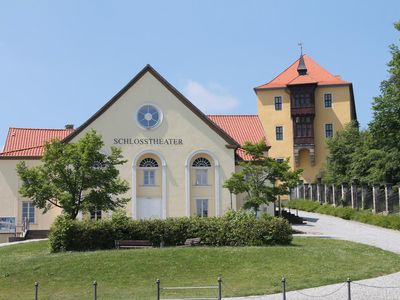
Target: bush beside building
{"points": [[233, 229]]}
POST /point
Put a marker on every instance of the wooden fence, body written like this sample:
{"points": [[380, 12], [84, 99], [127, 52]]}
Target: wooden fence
{"points": [[378, 198]]}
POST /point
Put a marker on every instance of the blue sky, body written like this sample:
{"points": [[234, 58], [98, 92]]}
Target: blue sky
{"points": [[60, 61]]}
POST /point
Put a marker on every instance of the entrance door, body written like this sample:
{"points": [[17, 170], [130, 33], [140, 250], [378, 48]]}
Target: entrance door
{"points": [[149, 208]]}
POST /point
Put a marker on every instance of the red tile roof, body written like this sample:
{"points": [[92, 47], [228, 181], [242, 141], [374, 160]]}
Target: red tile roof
{"points": [[315, 74], [29, 142], [242, 128]]}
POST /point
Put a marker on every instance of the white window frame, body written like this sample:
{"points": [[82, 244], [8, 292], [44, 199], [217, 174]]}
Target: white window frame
{"points": [[30, 208], [278, 96], [151, 178], [201, 176], [201, 201], [333, 132], [96, 214], [283, 132], [325, 102]]}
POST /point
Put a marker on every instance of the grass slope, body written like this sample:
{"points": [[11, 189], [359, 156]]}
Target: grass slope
{"points": [[130, 274]]}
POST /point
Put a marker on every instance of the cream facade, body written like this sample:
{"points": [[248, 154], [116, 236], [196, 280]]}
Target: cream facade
{"points": [[176, 168]]}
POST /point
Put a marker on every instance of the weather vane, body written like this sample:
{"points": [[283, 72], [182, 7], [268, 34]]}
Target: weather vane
{"points": [[301, 47]]}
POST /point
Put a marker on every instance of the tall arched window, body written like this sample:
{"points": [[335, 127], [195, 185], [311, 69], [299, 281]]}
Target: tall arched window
{"points": [[201, 165], [149, 166]]}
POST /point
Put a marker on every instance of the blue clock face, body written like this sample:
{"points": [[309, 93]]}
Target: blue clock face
{"points": [[148, 116]]}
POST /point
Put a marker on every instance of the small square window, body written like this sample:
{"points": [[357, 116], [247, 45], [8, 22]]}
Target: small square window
{"points": [[279, 133], [28, 212], [328, 130], [280, 160], [202, 207], [201, 177], [328, 100], [278, 103], [95, 214], [149, 177]]}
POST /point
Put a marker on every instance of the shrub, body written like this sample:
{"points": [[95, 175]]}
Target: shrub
{"points": [[233, 229], [364, 216]]}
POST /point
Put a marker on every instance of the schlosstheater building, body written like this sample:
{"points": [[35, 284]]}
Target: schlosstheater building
{"points": [[178, 157]]}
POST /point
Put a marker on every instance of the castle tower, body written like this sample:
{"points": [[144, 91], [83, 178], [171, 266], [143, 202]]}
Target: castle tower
{"points": [[302, 107]]}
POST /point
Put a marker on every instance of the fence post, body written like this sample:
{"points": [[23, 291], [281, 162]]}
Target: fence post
{"points": [[158, 289], [399, 197], [283, 288], [318, 193], [325, 194], [362, 197], [219, 288], [353, 200], [36, 290], [348, 289], [297, 192], [387, 188], [333, 195], [343, 195], [95, 290], [375, 189], [311, 192]]}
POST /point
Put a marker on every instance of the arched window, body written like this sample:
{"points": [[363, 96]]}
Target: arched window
{"points": [[148, 163], [201, 162], [149, 173]]}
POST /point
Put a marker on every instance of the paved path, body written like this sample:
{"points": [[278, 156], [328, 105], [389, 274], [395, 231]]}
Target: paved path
{"points": [[21, 242], [327, 226]]}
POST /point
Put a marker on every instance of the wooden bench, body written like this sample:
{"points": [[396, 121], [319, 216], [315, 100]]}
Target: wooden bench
{"points": [[132, 244], [192, 242]]}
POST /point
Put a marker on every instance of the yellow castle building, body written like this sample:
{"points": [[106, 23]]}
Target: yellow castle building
{"points": [[302, 107]]}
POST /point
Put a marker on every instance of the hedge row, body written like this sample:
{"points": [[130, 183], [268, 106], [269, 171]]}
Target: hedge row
{"points": [[348, 213], [233, 229]]}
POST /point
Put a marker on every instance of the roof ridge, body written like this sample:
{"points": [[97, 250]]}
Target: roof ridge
{"points": [[313, 61], [22, 149], [31, 128], [280, 73], [234, 115]]}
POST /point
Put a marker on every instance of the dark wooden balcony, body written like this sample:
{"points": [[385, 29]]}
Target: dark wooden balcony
{"points": [[304, 140], [298, 111]]}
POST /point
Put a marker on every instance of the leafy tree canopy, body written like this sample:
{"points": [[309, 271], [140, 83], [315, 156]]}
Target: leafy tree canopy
{"points": [[373, 155], [262, 178], [385, 126], [75, 177]]}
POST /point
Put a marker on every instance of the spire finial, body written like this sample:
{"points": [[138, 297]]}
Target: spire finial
{"points": [[301, 69], [301, 48]]}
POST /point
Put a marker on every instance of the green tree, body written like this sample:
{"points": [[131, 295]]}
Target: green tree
{"points": [[262, 178], [75, 177], [342, 148], [385, 126]]}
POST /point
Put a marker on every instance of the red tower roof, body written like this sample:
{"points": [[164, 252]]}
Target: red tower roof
{"points": [[315, 74]]}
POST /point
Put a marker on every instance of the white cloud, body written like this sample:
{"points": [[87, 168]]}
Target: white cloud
{"points": [[211, 99]]}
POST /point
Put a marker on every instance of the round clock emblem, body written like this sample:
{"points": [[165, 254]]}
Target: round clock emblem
{"points": [[149, 116]]}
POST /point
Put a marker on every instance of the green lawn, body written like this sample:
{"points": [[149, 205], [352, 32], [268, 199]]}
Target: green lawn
{"points": [[130, 274]]}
